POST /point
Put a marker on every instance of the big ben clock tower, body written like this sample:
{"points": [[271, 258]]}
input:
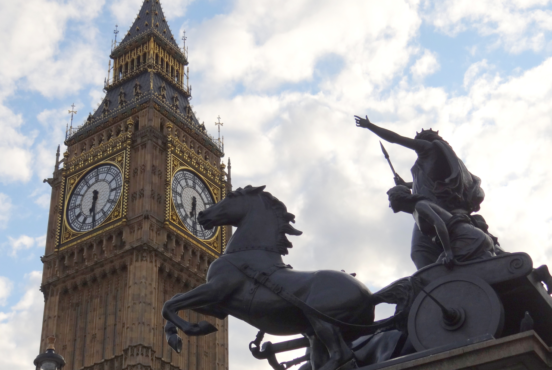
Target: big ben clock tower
{"points": [[122, 234]]}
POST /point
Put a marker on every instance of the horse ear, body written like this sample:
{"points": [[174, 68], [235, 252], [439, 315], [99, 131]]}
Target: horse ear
{"points": [[255, 190], [289, 217]]}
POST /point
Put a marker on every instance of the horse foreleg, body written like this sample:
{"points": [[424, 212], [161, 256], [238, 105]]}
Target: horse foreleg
{"points": [[212, 311], [201, 296], [330, 336], [171, 334]]}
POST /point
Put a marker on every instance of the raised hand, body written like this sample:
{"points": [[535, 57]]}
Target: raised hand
{"points": [[361, 122]]}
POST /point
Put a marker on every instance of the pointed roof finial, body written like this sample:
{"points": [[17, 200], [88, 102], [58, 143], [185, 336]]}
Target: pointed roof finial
{"points": [[219, 124], [57, 158], [229, 173], [116, 32]]}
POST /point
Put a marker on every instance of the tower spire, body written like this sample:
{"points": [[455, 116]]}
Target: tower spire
{"points": [[150, 20]]}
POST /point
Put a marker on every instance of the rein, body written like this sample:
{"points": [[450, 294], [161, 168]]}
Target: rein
{"points": [[263, 278]]}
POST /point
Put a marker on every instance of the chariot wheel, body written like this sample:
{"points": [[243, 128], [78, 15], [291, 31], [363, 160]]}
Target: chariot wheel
{"points": [[457, 308]]}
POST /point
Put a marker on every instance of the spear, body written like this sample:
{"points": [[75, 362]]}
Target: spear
{"points": [[388, 160]]}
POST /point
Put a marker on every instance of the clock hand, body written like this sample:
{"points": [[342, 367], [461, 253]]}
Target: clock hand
{"points": [[93, 209], [193, 211]]}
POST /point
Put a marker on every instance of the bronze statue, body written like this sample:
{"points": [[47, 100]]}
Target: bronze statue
{"points": [[460, 240], [469, 296], [251, 282], [440, 176]]}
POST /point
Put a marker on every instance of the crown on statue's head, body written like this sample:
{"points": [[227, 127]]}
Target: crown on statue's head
{"points": [[428, 135]]}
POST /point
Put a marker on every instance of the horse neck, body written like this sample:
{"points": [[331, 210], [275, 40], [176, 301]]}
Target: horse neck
{"points": [[258, 229]]}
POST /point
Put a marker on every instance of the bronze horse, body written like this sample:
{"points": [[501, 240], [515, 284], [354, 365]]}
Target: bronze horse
{"points": [[251, 282]]}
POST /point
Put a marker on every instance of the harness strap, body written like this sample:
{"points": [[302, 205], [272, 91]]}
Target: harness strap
{"points": [[256, 285], [263, 279]]}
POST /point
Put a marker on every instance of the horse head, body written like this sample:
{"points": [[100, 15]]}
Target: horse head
{"points": [[256, 211]]}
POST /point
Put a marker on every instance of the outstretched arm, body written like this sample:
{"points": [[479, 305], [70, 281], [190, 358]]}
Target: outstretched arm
{"points": [[392, 137]]}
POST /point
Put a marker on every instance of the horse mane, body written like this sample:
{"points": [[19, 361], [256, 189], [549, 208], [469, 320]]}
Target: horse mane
{"points": [[283, 216]]}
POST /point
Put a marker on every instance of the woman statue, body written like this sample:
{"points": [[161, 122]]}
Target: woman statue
{"points": [[459, 238]]}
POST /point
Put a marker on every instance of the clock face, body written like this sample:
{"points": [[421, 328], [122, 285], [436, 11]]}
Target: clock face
{"points": [[191, 196], [94, 197]]}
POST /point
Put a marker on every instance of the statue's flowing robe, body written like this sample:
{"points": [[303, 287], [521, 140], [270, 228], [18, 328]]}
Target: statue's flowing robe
{"points": [[460, 190], [468, 243]]}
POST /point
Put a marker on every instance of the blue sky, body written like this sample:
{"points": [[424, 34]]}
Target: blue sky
{"points": [[286, 77]]}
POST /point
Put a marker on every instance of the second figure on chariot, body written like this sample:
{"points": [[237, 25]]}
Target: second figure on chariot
{"points": [[444, 195]]}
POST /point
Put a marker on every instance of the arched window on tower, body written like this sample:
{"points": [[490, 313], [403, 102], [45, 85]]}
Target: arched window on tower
{"points": [[156, 58], [138, 60], [144, 58], [120, 73], [162, 64]]}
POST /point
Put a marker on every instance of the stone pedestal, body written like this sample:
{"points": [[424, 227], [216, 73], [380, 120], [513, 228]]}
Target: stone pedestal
{"points": [[524, 351]]}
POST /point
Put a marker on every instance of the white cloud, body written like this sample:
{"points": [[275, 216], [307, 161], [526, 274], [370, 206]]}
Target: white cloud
{"points": [[43, 201], [20, 327], [16, 158], [475, 71], [6, 286], [25, 242], [273, 43], [33, 51], [6, 204], [32, 61], [54, 123], [518, 25], [426, 65]]}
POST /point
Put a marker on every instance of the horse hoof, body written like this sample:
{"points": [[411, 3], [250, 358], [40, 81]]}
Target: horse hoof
{"points": [[201, 328], [175, 342]]}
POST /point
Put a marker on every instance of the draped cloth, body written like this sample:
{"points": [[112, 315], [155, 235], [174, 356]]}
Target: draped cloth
{"points": [[468, 243], [460, 190]]}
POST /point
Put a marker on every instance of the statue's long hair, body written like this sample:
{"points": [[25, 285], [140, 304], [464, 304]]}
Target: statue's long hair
{"points": [[283, 216]]}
